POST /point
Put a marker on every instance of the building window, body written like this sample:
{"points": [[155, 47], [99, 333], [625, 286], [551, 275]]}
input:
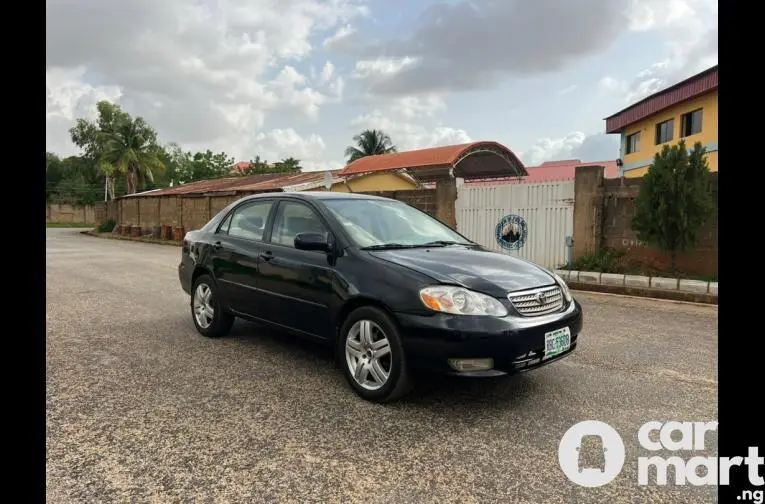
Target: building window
{"points": [[692, 123], [664, 131], [633, 143]]}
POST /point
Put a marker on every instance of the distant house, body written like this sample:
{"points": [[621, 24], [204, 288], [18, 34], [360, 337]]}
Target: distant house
{"points": [[551, 171], [240, 167], [685, 111]]}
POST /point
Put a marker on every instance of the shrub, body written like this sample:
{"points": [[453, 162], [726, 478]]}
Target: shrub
{"points": [[605, 261], [674, 200], [107, 226]]}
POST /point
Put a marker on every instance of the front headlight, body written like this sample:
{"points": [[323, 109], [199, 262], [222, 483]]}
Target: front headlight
{"points": [[459, 301], [563, 287]]}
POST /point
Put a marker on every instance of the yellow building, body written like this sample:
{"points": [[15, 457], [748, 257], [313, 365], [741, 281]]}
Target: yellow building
{"points": [[686, 111]]}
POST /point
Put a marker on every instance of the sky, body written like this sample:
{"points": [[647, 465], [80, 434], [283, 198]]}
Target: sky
{"points": [[300, 78]]}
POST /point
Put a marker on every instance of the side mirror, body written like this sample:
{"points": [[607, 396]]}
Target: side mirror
{"points": [[313, 241]]}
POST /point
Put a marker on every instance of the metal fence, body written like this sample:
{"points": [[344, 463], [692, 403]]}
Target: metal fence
{"points": [[545, 211]]}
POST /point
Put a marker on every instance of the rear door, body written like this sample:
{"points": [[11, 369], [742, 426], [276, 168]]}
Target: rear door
{"points": [[237, 253], [297, 284]]}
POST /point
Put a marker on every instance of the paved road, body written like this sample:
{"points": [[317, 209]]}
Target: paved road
{"points": [[142, 409]]}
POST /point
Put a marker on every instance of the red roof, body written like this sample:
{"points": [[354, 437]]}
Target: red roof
{"points": [[434, 157], [701, 83], [551, 171]]}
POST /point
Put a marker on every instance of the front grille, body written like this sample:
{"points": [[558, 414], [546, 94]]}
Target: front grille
{"points": [[536, 302]]}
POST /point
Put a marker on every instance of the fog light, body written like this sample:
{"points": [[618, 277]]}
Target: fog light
{"points": [[471, 364]]}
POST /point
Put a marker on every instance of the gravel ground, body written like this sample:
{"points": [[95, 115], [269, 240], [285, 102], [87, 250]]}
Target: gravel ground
{"points": [[140, 408]]}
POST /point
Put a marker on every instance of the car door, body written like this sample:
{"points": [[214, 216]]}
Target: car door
{"points": [[237, 252], [297, 283]]}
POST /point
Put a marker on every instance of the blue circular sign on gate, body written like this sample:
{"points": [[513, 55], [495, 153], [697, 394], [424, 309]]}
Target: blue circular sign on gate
{"points": [[511, 232]]}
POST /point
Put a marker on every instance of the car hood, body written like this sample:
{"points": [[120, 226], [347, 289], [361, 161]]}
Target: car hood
{"points": [[478, 269]]}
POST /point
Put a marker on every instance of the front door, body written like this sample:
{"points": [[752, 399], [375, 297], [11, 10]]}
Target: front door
{"points": [[297, 283], [238, 253]]}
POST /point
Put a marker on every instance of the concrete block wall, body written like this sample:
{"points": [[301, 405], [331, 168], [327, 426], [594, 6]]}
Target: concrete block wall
{"points": [[424, 199], [63, 213], [603, 212], [193, 212]]}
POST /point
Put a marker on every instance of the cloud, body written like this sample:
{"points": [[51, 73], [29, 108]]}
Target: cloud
{"points": [[476, 44], [280, 143], [407, 135], [575, 145], [568, 90], [201, 73], [342, 40], [689, 28]]}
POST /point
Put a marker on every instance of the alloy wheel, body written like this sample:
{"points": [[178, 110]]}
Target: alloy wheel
{"points": [[368, 355], [203, 309]]}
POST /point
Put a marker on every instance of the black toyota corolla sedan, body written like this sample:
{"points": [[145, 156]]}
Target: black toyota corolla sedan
{"points": [[391, 288]]}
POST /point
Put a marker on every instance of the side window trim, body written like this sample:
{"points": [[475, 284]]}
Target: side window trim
{"points": [[226, 222], [275, 213], [266, 230]]}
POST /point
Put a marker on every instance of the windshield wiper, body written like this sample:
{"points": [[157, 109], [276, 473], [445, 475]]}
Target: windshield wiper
{"points": [[444, 243], [385, 246]]}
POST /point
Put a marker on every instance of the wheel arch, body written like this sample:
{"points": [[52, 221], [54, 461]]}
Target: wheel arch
{"points": [[357, 302]]}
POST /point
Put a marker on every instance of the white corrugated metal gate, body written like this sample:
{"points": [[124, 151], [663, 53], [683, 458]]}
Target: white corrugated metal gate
{"points": [[547, 208]]}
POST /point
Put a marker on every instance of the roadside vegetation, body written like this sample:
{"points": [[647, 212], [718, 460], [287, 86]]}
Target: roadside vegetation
{"points": [[674, 202]]}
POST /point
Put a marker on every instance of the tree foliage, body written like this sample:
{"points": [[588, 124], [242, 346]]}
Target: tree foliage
{"points": [[119, 145], [369, 143], [259, 166], [675, 199]]}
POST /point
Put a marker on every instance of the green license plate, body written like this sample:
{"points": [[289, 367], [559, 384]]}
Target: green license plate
{"points": [[557, 341]]}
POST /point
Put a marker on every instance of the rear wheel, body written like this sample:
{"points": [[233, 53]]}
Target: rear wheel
{"points": [[372, 356], [206, 311]]}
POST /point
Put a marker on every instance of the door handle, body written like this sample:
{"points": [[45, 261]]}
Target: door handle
{"points": [[217, 245], [267, 256]]}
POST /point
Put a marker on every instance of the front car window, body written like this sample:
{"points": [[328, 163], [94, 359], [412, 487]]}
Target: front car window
{"points": [[372, 223], [292, 219]]}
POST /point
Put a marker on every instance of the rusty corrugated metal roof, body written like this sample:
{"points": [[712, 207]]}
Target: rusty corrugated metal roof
{"points": [[294, 181], [434, 157], [699, 84], [255, 183], [207, 186]]}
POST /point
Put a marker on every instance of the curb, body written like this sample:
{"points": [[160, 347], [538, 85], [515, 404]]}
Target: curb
{"points": [[695, 291]]}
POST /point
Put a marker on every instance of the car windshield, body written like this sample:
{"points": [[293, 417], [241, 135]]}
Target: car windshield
{"points": [[380, 224]]}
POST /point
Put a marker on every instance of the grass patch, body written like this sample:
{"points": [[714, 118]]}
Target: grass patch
{"points": [[68, 225]]}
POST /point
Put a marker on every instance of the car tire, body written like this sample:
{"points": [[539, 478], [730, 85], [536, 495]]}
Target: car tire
{"points": [[205, 291], [380, 326]]}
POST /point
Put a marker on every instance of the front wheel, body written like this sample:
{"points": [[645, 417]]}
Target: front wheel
{"points": [[206, 310], [372, 356]]}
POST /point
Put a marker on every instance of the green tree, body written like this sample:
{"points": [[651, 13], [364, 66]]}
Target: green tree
{"points": [[369, 143], [130, 147], [259, 166], [119, 146], [287, 165], [74, 180], [674, 200]]}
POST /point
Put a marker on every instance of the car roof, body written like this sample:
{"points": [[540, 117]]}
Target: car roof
{"points": [[318, 195]]}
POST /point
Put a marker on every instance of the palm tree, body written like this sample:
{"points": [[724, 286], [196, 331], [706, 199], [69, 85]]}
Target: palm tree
{"points": [[290, 164], [370, 143], [129, 149]]}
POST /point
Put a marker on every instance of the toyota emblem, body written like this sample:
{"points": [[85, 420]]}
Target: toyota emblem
{"points": [[541, 298]]}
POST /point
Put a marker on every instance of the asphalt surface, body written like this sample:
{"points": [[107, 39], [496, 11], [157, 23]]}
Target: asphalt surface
{"points": [[140, 408]]}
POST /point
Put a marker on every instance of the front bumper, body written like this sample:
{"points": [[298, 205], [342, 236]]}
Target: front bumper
{"points": [[515, 343]]}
